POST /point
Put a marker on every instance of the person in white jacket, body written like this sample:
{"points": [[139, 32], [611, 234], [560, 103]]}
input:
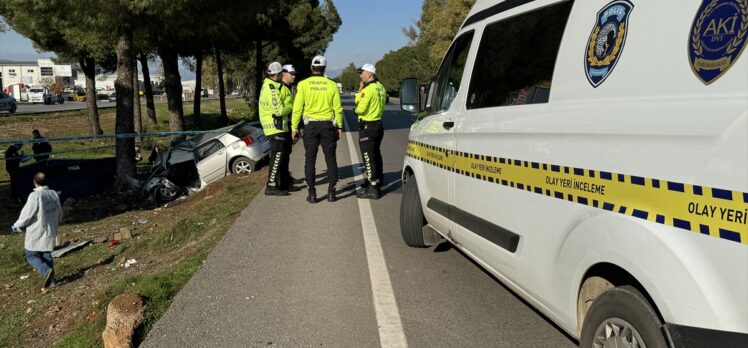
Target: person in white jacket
{"points": [[40, 216]]}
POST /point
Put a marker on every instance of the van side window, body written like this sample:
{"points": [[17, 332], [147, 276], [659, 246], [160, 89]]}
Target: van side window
{"points": [[447, 80], [516, 58]]}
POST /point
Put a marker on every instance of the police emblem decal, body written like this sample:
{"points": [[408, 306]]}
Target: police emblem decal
{"points": [[718, 35], [606, 41]]}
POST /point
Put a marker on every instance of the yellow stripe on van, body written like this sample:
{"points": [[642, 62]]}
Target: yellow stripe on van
{"points": [[711, 211]]}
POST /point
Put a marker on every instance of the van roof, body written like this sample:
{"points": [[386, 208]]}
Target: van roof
{"points": [[491, 7]]}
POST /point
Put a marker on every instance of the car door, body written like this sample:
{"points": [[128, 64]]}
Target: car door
{"points": [[433, 140], [505, 144], [211, 161]]}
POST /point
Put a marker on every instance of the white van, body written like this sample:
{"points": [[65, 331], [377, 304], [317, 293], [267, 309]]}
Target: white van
{"points": [[593, 155]]}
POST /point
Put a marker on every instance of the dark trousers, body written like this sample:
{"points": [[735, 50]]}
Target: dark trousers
{"points": [[280, 150], [13, 194], [370, 135], [325, 134]]}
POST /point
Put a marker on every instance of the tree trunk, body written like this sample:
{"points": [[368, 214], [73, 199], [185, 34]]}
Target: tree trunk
{"points": [[148, 90], [221, 93], [125, 148], [259, 68], [137, 113], [173, 87], [88, 65], [198, 89]]}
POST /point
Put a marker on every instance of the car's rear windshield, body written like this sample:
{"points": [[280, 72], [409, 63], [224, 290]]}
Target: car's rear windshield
{"points": [[36, 90], [242, 131]]}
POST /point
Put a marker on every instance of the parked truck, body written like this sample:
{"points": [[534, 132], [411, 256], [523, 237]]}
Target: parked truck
{"points": [[43, 94]]}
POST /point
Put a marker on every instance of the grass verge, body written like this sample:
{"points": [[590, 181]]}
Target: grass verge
{"points": [[169, 244]]}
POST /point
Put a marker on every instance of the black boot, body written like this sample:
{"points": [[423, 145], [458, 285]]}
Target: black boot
{"points": [[371, 192], [274, 191], [331, 195], [292, 188], [312, 197]]}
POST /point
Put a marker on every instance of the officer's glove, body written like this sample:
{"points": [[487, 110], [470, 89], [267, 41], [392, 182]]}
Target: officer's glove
{"points": [[15, 229]]}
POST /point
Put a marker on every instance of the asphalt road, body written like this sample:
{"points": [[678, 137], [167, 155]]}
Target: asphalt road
{"points": [[67, 106], [292, 274], [26, 108]]}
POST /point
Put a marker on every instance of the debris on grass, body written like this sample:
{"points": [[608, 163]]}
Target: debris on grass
{"points": [[72, 247], [130, 262], [25, 276]]}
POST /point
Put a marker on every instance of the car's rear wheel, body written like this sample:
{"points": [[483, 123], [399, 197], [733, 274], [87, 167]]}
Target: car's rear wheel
{"points": [[412, 220], [622, 317], [13, 108], [242, 166]]}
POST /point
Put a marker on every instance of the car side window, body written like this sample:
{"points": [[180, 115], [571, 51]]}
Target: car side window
{"points": [[516, 58], [446, 84], [207, 149]]}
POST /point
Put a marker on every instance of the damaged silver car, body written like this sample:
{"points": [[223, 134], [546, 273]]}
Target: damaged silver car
{"points": [[190, 165]]}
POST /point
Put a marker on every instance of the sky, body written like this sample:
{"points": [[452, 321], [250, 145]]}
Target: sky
{"points": [[370, 29]]}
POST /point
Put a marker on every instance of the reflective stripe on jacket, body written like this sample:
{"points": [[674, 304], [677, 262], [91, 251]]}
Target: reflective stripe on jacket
{"points": [[274, 100]]}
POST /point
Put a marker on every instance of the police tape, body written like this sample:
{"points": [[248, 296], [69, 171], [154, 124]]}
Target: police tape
{"points": [[710, 211], [119, 136], [105, 137], [25, 158]]}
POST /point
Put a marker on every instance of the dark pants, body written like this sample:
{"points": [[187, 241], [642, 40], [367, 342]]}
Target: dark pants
{"points": [[13, 194], [40, 260], [280, 150], [370, 135], [325, 134]]}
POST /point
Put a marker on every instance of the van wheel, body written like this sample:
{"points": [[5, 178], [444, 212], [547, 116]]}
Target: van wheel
{"points": [[243, 166], [411, 216], [13, 108], [621, 317]]}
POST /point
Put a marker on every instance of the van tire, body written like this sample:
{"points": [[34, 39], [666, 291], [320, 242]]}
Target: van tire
{"points": [[411, 215], [243, 166], [13, 108], [627, 304]]}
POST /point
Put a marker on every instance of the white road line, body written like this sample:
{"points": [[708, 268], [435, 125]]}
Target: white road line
{"points": [[391, 332]]}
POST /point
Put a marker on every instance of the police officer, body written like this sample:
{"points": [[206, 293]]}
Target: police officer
{"points": [[318, 105], [288, 79], [275, 109], [370, 102]]}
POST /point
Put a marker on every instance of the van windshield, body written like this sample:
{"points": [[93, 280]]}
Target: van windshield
{"points": [[36, 90]]}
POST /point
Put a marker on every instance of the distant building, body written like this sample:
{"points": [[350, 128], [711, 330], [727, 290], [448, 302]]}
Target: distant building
{"points": [[105, 82], [39, 72]]}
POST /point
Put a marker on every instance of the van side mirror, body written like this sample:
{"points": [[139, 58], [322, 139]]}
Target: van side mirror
{"points": [[409, 97]]}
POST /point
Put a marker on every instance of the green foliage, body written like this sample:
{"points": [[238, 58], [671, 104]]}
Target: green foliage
{"points": [[395, 66], [440, 20], [350, 78]]}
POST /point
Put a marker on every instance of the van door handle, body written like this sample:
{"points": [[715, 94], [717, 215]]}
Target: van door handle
{"points": [[448, 125]]}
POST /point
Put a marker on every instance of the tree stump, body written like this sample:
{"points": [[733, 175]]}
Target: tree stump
{"points": [[123, 315]]}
